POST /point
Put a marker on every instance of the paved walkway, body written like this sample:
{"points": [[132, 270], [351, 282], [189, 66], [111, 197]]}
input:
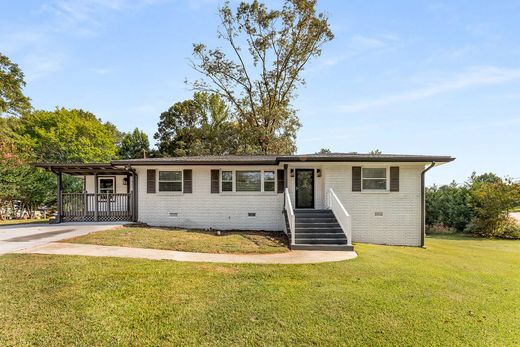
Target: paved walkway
{"points": [[293, 257], [21, 236]]}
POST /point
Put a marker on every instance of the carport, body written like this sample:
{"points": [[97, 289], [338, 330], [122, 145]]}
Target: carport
{"points": [[97, 205]]}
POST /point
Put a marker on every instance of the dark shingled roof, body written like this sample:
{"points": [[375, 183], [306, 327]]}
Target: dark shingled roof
{"points": [[203, 160], [275, 160], [123, 166]]}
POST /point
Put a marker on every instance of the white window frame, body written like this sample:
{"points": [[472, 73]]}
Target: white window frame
{"points": [[249, 191], [170, 191], [235, 191], [273, 180], [112, 178], [387, 178], [232, 181]]}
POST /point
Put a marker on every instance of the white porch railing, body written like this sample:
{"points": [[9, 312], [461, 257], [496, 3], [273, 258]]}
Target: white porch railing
{"points": [[290, 215], [341, 214]]}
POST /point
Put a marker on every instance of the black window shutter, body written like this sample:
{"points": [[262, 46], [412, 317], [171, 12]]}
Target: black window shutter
{"points": [[187, 182], [150, 181], [215, 181], [394, 178], [280, 178], [356, 178]]}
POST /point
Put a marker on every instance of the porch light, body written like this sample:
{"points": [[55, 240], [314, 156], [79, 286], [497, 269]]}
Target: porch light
{"points": [[318, 172], [292, 172], [125, 181]]}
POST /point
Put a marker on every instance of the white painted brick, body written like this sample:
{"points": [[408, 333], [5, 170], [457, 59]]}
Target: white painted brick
{"points": [[201, 209], [401, 220], [399, 225]]}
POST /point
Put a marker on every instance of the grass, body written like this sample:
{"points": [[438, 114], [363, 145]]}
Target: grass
{"points": [[188, 241], [458, 291], [22, 221]]}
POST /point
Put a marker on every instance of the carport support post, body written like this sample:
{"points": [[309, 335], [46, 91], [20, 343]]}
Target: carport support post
{"points": [[59, 200], [135, 183], [95, 197]]}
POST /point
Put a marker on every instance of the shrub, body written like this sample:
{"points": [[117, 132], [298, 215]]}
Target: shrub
{"points": [[439, 229], [480, 206], [491, 203], [448, 205]]}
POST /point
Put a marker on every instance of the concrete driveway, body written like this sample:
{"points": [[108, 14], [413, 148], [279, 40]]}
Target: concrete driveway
{"points": [[17, 237]]}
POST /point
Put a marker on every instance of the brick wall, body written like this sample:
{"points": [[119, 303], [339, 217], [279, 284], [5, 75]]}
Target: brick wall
{"points": [[201, 209]]}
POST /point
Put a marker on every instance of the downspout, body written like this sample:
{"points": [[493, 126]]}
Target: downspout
{"points": [[423, 204]]}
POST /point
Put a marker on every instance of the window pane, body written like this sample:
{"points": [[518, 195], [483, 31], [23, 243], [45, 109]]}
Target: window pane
{"points": [[268, 186], [374, 184], [170, 186], [105, 183], [227, 186], [170, 175], [227, 175], [268, 175], [374, 173], [248, 181]]}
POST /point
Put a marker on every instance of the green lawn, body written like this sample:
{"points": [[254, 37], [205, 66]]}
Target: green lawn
{"points": [[22, 221], [188, 241], [458, 291]]}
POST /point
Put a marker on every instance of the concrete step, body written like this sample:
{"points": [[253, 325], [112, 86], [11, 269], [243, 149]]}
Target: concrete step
{"points": [[337, 230], [322, 247], [331, 219], [336, 236], [320, 241]]}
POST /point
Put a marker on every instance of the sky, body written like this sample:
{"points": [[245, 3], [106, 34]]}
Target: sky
{"points": [[411, 77]]}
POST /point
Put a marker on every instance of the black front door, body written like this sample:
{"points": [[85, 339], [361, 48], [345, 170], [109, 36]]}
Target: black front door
{"points": [[304, 188]]}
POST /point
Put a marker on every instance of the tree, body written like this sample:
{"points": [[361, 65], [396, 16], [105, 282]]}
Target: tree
{"points": [[19, 181], [198, 126], [488, 177], [134, 145], [376, 152], [68, 136], [12, 99], [492, 202], [324, 151], [480, 206], [260, 80], [449, 205]]}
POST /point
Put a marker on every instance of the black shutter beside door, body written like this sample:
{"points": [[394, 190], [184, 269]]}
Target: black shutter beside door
{"points": [[280, 178]]}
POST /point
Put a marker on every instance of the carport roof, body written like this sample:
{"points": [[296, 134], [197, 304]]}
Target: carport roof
{"points": [[84, 169]]}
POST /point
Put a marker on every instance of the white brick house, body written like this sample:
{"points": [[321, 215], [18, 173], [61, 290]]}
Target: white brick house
{"points": [[319, 200]]}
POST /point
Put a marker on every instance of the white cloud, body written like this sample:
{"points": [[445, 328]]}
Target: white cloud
{"points": [[474, 77], [41, 64], [38, 43], [359, 45]]}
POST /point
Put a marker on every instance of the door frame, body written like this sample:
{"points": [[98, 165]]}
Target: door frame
{"points": [[296, 188]]}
